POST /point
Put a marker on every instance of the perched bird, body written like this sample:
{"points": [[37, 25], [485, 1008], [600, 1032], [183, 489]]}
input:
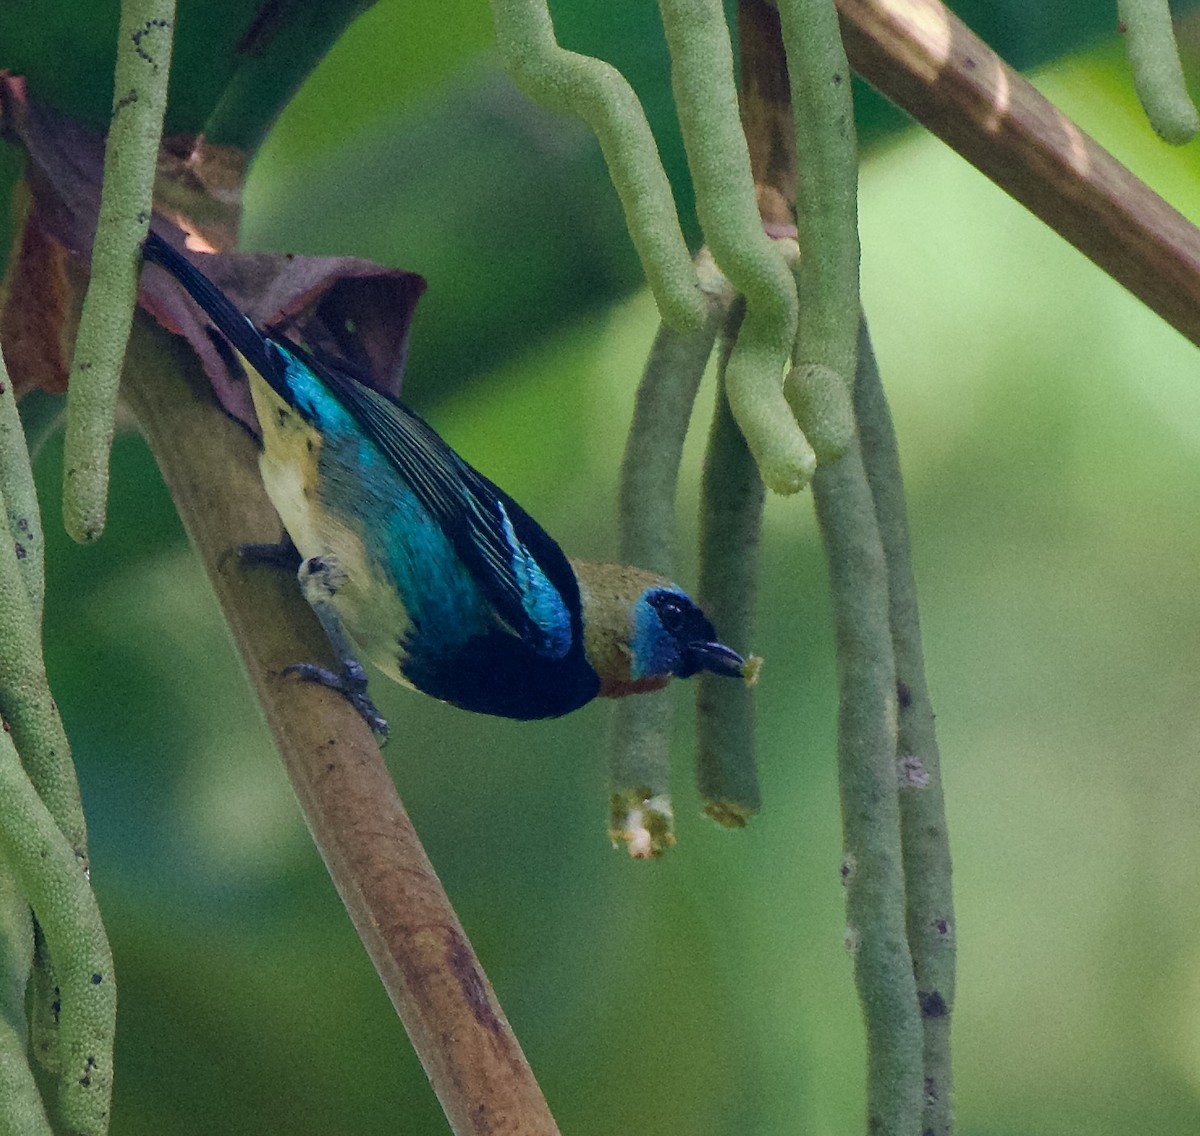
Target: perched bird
{"points": [[433, 572]]}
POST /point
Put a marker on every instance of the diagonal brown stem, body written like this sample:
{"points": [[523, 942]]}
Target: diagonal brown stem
{"points": [[928, 62], [358, 821]]}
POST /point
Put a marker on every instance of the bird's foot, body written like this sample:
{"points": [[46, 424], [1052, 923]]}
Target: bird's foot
{"points": [[351, 684]]}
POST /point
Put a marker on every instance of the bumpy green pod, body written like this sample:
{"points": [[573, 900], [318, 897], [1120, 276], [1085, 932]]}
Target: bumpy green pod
{"points": [[824, 409], [1157, 72]]}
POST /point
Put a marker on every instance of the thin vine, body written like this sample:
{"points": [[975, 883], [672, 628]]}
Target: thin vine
{"points": [[641, 814], [130, 160], [599, 94], [731, 506], [1157, 71]]}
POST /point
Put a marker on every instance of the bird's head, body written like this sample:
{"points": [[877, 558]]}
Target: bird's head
{"points": [[641, 630]]}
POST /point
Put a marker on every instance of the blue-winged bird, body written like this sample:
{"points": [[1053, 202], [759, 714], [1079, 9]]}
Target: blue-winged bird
{"points": [[434, 573]]}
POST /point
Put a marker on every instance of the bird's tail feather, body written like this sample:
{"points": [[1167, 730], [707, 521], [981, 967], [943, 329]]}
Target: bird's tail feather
{"points": [[250, 343]]}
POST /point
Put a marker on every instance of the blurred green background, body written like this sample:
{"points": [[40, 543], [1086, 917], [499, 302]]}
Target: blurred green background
{"points": [[1050, 430]]}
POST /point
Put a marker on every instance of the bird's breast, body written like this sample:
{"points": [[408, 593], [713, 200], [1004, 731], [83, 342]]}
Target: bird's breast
{"points": [[291, 451], [296, 472]]}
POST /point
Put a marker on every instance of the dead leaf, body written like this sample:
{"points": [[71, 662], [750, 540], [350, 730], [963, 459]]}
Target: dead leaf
{"points": [[39, 304], [351, 309], [344, 308]]}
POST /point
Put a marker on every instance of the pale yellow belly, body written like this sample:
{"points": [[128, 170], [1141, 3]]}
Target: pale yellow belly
{"points": [[365, 601]]}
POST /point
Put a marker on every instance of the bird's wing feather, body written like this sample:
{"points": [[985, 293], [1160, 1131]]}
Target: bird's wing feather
{"points": [[520, 569], [518, 566]]}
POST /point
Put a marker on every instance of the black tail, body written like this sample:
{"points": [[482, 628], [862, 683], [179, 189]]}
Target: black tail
{"points": [[251, 344]]}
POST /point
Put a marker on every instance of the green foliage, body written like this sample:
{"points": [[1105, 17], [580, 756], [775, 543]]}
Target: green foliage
{"points": [[67, 50]]}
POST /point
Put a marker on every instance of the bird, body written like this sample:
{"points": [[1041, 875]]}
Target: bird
{"points": [[412, 558]]}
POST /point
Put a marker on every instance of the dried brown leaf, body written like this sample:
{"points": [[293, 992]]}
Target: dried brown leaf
{"points": [[351, 309], [39, 305]]}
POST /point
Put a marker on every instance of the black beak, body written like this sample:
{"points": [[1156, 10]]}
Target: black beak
{"points": [[715, 657]]}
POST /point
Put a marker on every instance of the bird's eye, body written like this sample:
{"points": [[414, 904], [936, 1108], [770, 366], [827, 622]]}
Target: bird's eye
{"points": [[671, 614]]}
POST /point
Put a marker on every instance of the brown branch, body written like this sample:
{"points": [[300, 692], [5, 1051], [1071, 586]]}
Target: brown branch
{"points": [[765, 99], [373, 855], [926, 61]]}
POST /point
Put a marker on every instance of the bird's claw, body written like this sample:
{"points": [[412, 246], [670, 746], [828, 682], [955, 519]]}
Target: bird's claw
{"points": [[351, 684]]}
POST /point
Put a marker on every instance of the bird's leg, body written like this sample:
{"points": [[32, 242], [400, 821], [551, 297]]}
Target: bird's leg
{"points": [[281, 554], [320, 577]]}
